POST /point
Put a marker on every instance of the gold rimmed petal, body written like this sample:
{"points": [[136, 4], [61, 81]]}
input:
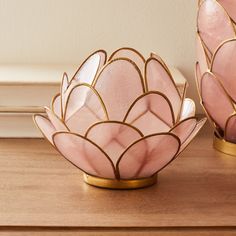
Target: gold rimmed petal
{"points": [[214, 24], [223, 66], [151, 113], [56, 105], [230, 7], [119, 83], [132, 54], [148, 155], [88, 70], [84, 107], [155, 55], [45, 126], [184, 128], [116, 137], [84, 154], [230, 129], [197, 128], [188, 109], [218, 109], [56, 121], [64, 87], [159, 79]]}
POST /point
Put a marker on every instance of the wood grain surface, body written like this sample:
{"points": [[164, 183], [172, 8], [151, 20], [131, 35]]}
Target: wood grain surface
{"points": [[41, 191]]}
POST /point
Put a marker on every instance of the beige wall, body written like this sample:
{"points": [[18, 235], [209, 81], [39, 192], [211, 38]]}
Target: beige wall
{"points": [[65, 31]]}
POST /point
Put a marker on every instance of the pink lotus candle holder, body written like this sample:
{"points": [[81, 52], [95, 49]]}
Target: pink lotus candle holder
{"points": [[215, 69], [120, 120]]}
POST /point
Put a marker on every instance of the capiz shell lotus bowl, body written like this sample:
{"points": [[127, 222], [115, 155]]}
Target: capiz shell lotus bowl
{"points": [[120, 120], [216, 69]]}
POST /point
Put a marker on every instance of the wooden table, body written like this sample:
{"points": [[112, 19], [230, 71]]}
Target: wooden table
{"points": [[40, 191]]}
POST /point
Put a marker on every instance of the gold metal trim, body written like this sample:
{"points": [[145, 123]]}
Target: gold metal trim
{"points": [[120, 184], [224, 146], [112, 56]]}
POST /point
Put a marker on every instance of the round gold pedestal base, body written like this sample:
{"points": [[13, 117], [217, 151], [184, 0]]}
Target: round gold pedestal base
{"points": [[224, 146], [120, 184]]}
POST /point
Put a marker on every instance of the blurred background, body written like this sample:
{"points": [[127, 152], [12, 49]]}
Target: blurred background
{"points": [[66, 31]]}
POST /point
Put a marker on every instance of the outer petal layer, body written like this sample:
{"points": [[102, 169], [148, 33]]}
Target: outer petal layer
{"points": [[45, 126], [84, 154], [148, 156], [113, 137]]}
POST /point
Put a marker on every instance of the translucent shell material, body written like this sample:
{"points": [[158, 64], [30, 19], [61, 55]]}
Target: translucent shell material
{"points": [[84, 154], [184, 128], [151, 113], [230, 7], [214, 25], [84, 108], [90, 67], [230, 129], [215, 100], [148, 155], [130, 53], [119, 83], [159, 79], [56, 105], [113, 137], [45, 126], [192, 135], [56, 121], [223, 66]]}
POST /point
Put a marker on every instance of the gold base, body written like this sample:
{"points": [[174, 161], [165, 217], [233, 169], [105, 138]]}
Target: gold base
{"points": [[224, 146], [119, 184]]}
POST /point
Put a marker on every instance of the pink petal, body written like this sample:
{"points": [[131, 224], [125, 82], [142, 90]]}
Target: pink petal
{"points": [[230, 6], [230, 129], [56, 121], [159, 79], [148, 156], [188, 109], [130, 53], [201, 56], [84, 154], [45, 126], [214, 99], [151, 113], [193, 134], [113, 137], [64, 86], [223, 66], [90, 67], [119, 84], [56, 105], [184, 128], [84, 108], [214, 25], [156, 56]]}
